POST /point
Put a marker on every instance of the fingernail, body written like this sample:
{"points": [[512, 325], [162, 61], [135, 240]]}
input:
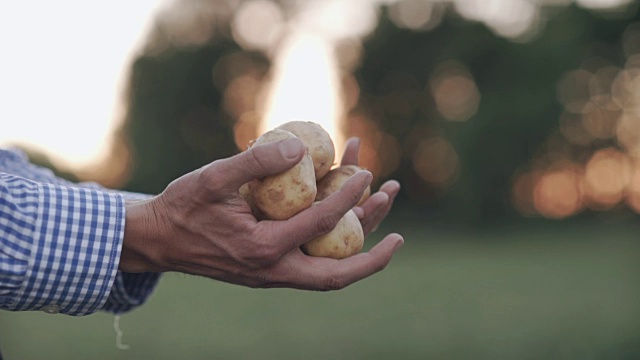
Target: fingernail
{"points": [[368, 178], [290, 148]]}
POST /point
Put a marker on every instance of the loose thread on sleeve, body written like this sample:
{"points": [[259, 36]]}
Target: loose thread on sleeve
{"points": [[116, 328]]}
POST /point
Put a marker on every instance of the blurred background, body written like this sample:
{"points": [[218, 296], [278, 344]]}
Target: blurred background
{"points": [[512, 125]]}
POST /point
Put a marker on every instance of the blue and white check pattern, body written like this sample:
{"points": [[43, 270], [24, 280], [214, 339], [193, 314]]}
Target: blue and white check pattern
{"points": [[60, 243]]}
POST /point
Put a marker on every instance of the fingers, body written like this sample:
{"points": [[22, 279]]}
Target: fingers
{"points": [[317, 220], [226, 176], [351, 150], [359, 212], [370, 210], [375, 209], [330, 274]]}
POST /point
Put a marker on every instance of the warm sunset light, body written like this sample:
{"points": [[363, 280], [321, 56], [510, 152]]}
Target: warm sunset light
{"points": [[62, 72], [601, 106], [305, 86]]}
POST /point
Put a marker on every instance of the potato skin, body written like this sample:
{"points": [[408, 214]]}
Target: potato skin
{"points": [[246, 194], [281, 196], [345, 240], [317, 140], [334, 180]]}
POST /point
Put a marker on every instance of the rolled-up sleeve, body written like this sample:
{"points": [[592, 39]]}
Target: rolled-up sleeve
{"points": [[60, 248]]}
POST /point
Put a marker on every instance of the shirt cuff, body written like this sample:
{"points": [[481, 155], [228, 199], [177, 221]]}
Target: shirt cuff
{"points": [[75, 253], [130, 291]]}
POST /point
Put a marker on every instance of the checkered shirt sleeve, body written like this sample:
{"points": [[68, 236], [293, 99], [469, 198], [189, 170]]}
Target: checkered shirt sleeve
{"points": [[60, 244]]}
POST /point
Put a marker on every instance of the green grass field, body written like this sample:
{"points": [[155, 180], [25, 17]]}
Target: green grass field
{"points": [[564, 293]]}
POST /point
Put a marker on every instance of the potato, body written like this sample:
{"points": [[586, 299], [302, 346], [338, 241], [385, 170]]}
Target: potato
{"points": [[345, 240], [317, 140], [334, 180], [279, 197], [246, 194]]}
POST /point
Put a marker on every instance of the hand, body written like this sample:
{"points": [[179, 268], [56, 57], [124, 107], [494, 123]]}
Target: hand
{"points": [[378, 205], [200, 225]]}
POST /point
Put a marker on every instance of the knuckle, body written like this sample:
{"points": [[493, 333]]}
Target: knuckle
{"points": [[256, 160], [334, 282], [209, 178], [327, 223]]}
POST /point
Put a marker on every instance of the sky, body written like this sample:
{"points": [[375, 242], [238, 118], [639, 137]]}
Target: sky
{"points": [[62, 70]]}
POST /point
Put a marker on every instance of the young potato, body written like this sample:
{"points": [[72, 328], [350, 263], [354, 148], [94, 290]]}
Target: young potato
{"points": [[334, 180], [281, 196], [246, 194], [345, 240], [317, 140]]}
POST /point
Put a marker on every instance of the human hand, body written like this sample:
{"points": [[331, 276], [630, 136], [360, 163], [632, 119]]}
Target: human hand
{"points": [[201, 225], [377, 206]]}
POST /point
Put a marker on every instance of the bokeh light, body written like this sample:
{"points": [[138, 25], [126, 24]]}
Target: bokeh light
{"points": [[258, 24], [600, 117], [573, 129], [435, 160], [311, 51], [557, 193], [600, 128], [456, 95], [380, 153], [240, 95], [628, 133], [337, 19], [190, 23], [522, 192], [607, 175], [516, 19], [416, 15]]}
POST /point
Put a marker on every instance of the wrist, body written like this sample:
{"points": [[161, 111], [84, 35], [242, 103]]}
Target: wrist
{"points": [[139, 247]]}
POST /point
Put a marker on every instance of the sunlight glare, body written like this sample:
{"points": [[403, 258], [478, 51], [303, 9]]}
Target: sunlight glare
{"points": [[305, 86], [62, 73]]}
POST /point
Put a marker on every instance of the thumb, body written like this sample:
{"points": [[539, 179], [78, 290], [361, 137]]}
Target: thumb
{"points": [[256, 162]]}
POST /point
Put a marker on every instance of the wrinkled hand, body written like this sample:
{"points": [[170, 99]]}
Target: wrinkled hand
{"points": [[200, 225], [378, 205]]}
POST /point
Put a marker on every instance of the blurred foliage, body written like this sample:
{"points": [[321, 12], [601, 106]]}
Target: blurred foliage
{"points": [[177, 121], [517, 82]]}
